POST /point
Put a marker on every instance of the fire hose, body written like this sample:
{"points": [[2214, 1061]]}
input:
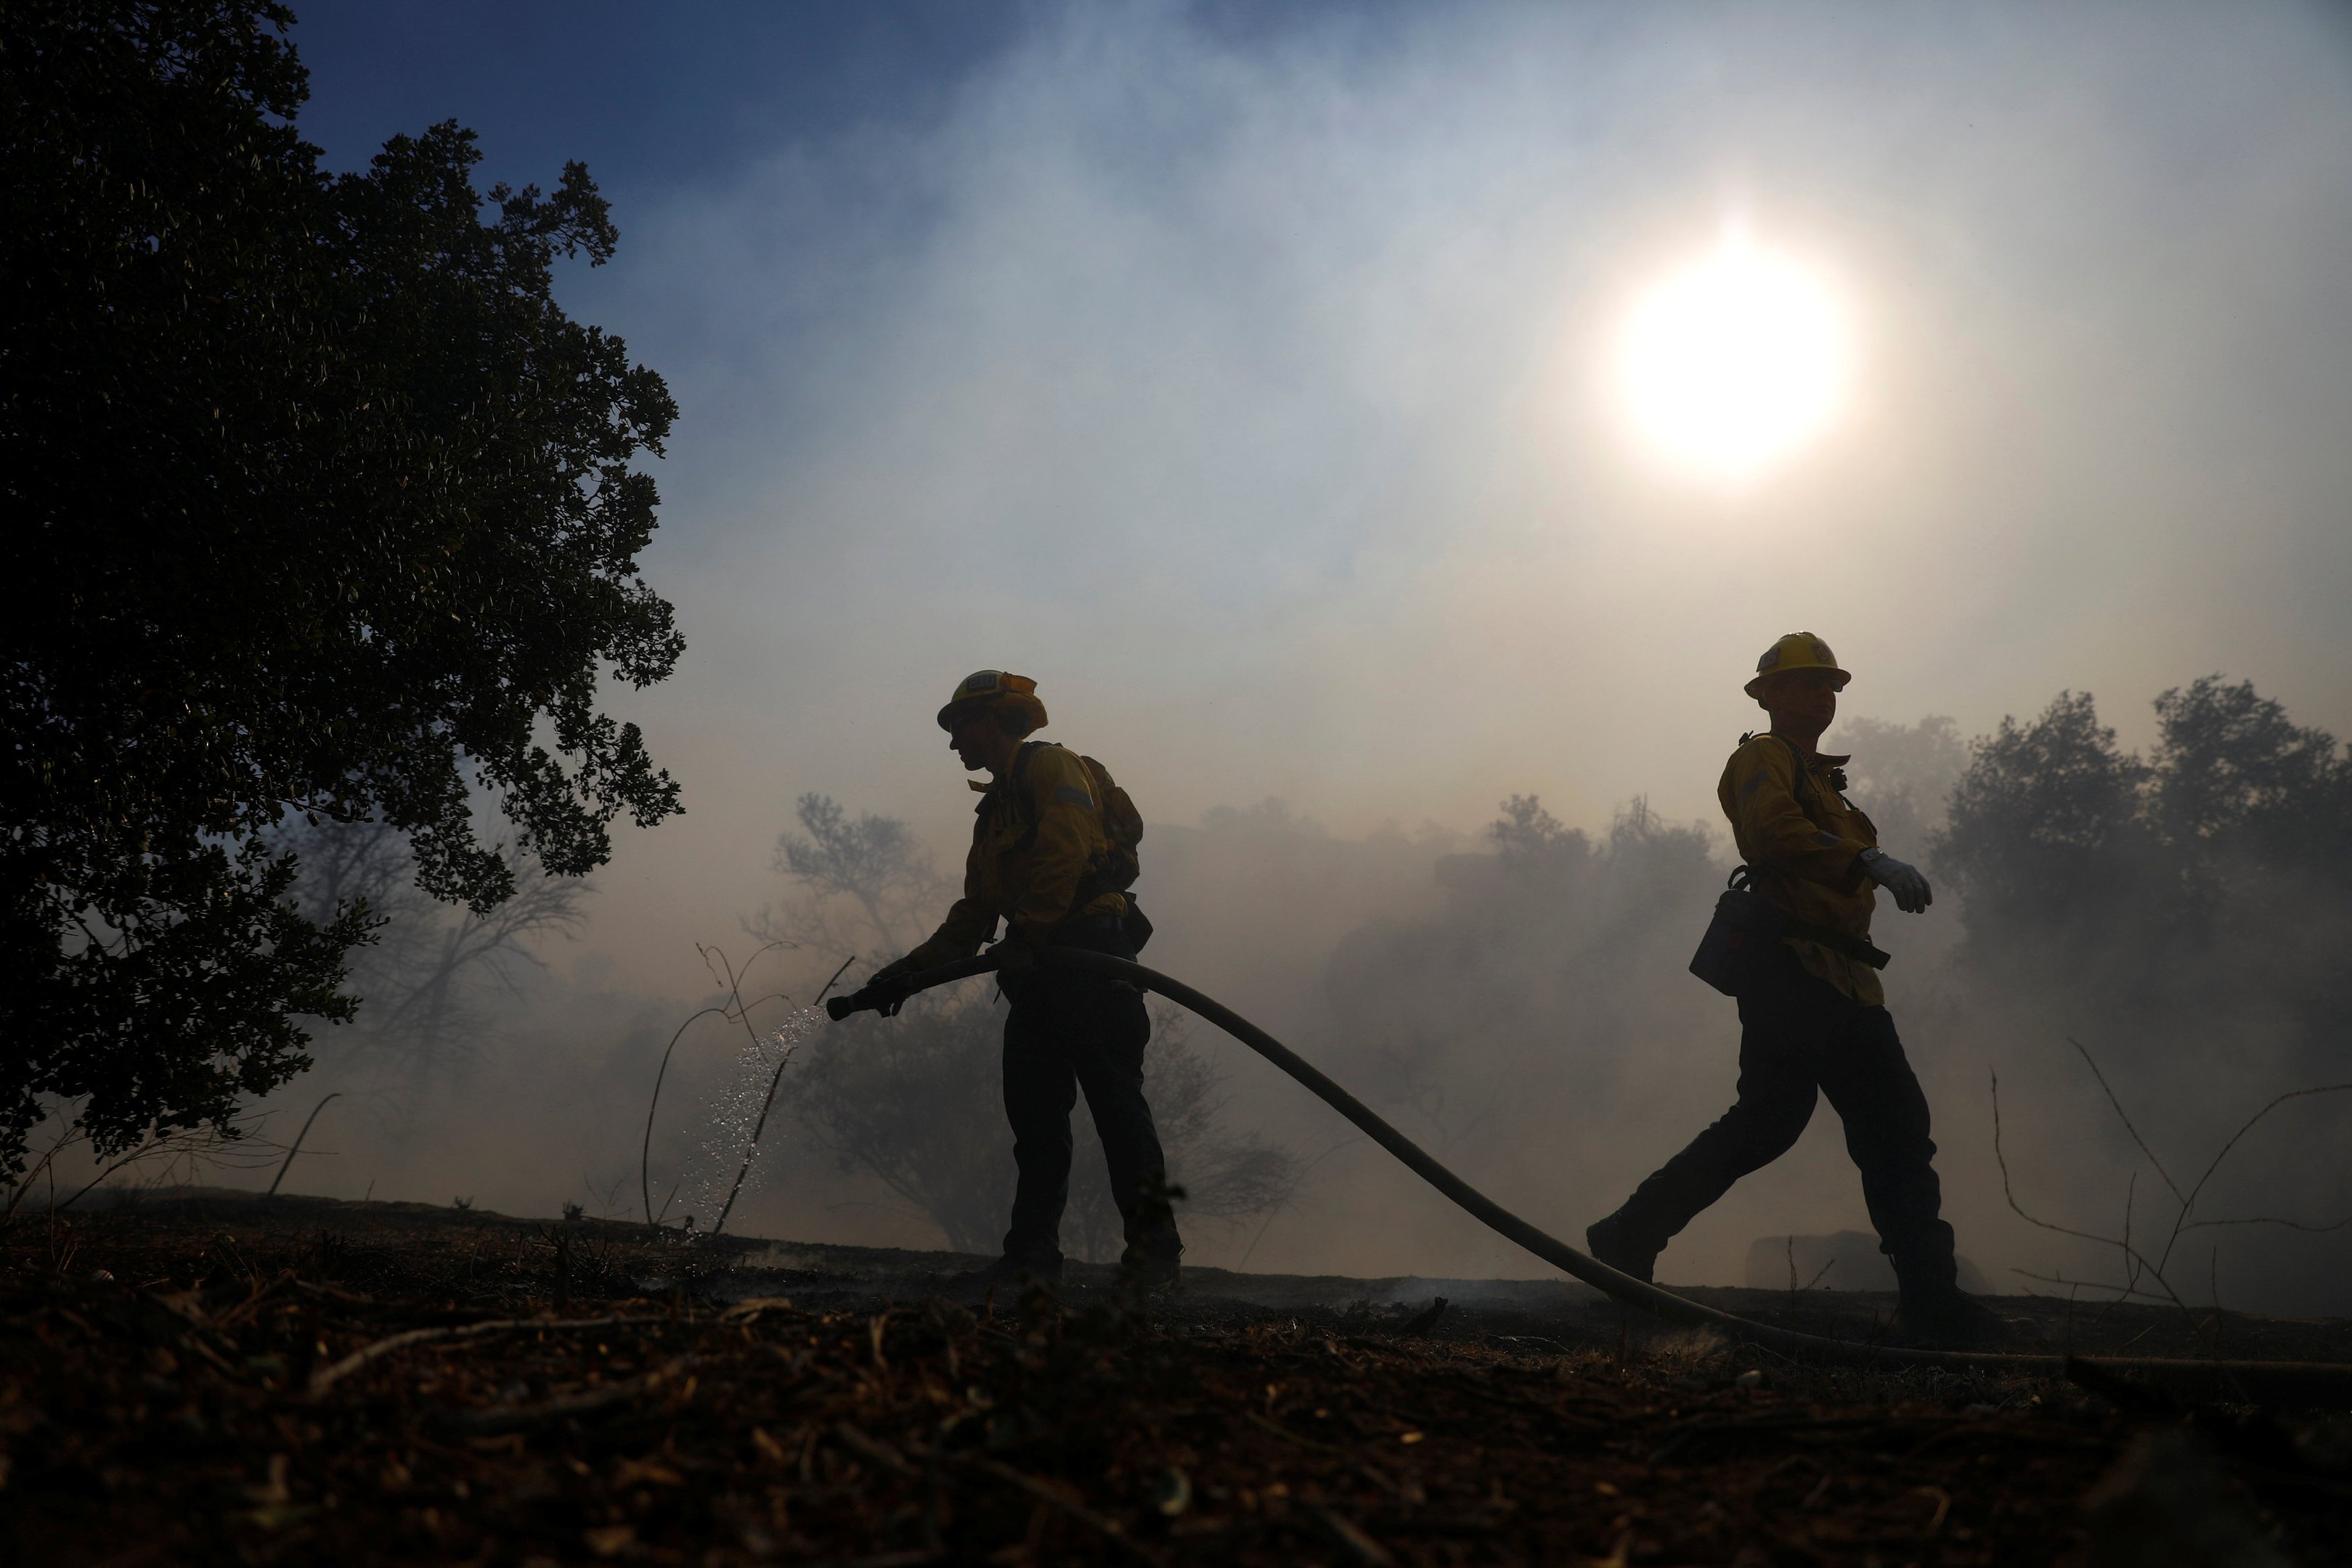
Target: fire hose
{"points": [[2276, 1382]]}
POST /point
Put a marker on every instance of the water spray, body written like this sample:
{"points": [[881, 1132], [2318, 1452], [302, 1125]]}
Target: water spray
{"points": [[768, 1103]]}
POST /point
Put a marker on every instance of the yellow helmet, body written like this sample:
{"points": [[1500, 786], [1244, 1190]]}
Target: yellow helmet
{"points": [[1797, 651], [994, 688]]}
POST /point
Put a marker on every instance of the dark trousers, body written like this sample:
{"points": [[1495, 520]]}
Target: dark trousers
{"points": [[1800, 1037], [1067, 1031]]}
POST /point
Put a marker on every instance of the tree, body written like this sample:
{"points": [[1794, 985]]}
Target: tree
{"points": [[2045, 830], [320, 503], [1439, 1011], [2234, 777], [871, 863], [1902, 775], [2208, 890], [418, 982], [1530, 840]]}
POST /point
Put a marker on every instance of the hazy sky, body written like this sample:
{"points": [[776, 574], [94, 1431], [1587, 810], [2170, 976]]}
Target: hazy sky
{"points": [[1245, 382]]}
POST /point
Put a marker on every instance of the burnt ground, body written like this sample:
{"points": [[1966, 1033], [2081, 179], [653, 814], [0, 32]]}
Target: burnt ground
{"points": [[219, 1378]]}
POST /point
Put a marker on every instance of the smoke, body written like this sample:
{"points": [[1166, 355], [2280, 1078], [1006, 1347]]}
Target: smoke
{"points": [[2167, 931], [1515, 1000], [1240, 385]]}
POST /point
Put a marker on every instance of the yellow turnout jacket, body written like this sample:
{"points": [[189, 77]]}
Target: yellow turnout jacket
{"points": [[1803, 849], [1035, 834]]}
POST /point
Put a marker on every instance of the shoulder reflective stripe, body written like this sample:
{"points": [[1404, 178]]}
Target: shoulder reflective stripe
{"points": [[1828, 838], [1071, 795]]}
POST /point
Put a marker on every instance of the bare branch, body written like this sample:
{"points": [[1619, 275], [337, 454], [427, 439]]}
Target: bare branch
{"points": [[67, 1136], [2191, 1202], [2122, 1290], [2125, 1118], [297, 1149], [735, 1008], [768, 1105], [2018, 1208]]}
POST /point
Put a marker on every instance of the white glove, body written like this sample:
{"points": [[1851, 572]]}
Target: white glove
{"points": [[1901, 878]]}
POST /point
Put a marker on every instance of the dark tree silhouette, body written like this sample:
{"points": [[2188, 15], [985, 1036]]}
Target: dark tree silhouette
{"points": [[2211, 884], [2235, 778], [317, 502], [2044, 827]]}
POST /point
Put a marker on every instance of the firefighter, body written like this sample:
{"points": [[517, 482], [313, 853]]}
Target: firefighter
{"points": [[1042, 861], [1813, 1018]]}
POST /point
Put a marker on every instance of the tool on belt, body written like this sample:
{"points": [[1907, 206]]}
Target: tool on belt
{"points": [[1748, 928]]}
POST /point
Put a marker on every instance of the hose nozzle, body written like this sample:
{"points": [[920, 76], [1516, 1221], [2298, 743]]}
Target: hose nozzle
{"points": [[886, 996], [867, 999]]}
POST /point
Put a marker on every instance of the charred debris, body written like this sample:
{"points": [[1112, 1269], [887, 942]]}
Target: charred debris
{"points": [[221, 1378]]}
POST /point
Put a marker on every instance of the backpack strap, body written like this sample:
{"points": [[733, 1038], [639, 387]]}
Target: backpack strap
{"points": [[1804, 775], [1015, 796], [1858, 948]]}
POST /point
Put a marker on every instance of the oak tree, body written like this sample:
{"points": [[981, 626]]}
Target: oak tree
{"points": [[318, 503]]}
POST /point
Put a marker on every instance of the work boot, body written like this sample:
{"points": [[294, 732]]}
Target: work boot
{"points": [[1612, 1241], [1008, 1271], [1148, 1275], [1948, 1320]]}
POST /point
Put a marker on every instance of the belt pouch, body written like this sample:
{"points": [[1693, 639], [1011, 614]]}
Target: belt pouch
{"points": [[1738, 942]]}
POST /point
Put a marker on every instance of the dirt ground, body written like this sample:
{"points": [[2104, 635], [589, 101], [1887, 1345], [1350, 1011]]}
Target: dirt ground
{"points": [[219, 1378]]}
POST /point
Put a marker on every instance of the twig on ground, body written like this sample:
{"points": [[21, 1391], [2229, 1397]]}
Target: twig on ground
{"points": [[182, 1141], [326, 1378], [494, 1418], [2123, 1292], [288, 1163], [1057, 1498]]}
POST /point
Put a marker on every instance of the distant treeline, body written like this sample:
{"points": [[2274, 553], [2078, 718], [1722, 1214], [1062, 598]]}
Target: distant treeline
{"points": [[2203, 893]]}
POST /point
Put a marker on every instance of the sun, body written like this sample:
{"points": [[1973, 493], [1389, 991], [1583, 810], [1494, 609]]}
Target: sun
{"points": [[1735, 363]]}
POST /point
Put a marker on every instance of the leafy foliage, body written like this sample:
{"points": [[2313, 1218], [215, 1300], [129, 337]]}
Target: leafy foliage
{"points": [[1438, 1013], [2211, 882], [2046, 818], [321, 504], [1527, 838]]}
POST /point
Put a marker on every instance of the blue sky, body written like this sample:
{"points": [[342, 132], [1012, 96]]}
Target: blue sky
{"points": [[649, 97]]}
